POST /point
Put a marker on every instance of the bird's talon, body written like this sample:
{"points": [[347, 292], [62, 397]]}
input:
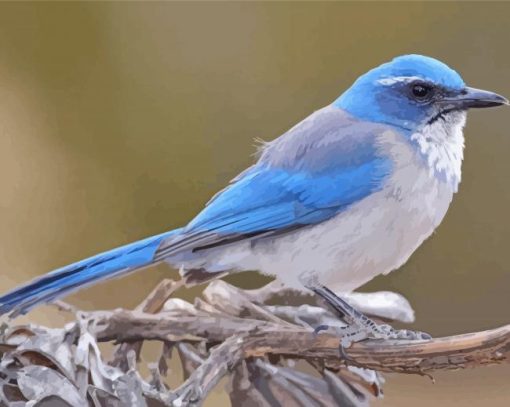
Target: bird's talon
{"points": [[320, 328]]}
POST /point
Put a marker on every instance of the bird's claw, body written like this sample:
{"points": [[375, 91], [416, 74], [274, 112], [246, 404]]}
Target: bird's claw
{"points": [[320, 328], [349, 334], [360, 327]]}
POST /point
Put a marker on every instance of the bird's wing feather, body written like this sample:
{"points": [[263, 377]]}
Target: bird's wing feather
{"points": [[328, 163]]}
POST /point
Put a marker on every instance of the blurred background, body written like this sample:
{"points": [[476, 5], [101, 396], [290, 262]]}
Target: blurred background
{"points": [[119, 121]]}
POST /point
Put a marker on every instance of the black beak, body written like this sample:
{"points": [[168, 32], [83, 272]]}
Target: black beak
{"points": [[473, 98]]}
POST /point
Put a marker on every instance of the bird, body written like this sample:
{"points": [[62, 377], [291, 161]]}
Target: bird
{"points": [[345, 195]]}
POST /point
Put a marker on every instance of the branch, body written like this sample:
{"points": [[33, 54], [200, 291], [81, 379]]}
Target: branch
{"points": [[399, 356], [152, 304], [452, 352], [267, 350]]}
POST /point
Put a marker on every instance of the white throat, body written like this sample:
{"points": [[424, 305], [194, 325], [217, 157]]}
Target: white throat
{"points": [[441, 143]]}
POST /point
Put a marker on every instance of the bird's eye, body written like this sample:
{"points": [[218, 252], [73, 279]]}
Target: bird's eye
{"points": [[421, 91]]}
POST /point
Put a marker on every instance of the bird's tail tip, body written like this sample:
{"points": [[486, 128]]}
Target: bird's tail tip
{"points": [[63, 281]]}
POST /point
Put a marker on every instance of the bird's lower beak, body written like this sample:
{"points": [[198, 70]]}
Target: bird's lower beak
{"points": [[473, 98]]}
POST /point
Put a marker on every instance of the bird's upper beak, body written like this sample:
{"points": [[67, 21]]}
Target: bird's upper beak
{"points": [[473, 98]]}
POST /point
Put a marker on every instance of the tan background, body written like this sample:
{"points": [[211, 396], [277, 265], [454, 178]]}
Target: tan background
{"points": [[118, 121]]}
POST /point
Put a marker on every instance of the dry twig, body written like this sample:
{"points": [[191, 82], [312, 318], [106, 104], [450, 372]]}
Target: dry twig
{"points": [[270, 352]]}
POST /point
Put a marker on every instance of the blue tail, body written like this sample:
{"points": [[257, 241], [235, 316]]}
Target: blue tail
{"points": [[65, 280]]}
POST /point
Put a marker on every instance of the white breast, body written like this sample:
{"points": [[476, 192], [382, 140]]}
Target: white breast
{"points": [[374, 236]]}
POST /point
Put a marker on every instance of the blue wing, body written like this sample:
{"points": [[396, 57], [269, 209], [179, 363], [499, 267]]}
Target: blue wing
{"points": [[323, 176]]}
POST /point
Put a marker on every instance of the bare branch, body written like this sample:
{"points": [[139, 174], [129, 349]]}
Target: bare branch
{"points": [[222, 359], [157, 298], [65, 307], [232, 300], [190, 359], [270, 351], [451, 352], [243, 391], [152, 304]]}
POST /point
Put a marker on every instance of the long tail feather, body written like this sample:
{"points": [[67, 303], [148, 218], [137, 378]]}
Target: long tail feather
{"points": [[60, 282]]}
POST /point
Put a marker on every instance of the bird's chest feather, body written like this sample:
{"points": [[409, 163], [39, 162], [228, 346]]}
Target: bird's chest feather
{"points": [[377, 234]]}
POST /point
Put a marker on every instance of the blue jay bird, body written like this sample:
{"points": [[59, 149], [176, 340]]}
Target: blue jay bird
{"points": [[347, 194]]}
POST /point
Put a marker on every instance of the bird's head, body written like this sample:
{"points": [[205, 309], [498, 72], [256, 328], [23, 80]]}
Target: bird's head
{"points": [[413, 91]]}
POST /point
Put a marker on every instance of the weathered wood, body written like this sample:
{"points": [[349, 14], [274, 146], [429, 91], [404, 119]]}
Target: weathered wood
{"points": [[480, 348], [230, 332], [151, 304]]}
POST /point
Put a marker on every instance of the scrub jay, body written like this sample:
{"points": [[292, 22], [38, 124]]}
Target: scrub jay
{"points": [[347, 194]]}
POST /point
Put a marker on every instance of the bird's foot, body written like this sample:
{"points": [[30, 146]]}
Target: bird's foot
{"points": [[359, 327]]}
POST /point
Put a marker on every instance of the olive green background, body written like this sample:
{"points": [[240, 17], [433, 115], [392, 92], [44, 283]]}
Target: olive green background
{"points": [[118, 121]]}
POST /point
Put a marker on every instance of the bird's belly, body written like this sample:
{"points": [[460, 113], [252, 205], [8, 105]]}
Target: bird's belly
{"points": [[372, 237]]}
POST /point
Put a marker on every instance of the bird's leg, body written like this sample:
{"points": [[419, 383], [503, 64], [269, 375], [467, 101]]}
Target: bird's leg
{"points": [[359, 326]]}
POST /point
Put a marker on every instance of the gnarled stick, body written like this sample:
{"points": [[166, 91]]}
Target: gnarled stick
{"points": [[459, 351], [264, 348], [152, 304], [452, 352]]}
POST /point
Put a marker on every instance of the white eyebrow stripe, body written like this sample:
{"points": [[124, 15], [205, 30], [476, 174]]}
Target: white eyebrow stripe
{"points": [[397, 79]]}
